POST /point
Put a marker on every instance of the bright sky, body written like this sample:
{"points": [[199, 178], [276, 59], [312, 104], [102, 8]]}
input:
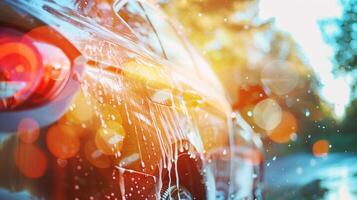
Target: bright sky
{"points": [[299, 18]]}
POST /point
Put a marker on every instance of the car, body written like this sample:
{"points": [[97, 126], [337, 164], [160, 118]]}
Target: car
{"points": [[106, 99]]}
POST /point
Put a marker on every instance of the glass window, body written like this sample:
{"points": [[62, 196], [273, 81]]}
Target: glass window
{"points": [[134, 15], [156, 32]]}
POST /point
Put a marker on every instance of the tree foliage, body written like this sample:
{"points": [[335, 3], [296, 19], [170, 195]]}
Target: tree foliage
{"points": [[239, 45], [342, 35]]}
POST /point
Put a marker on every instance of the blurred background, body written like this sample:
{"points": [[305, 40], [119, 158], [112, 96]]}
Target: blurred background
{"points": [[289, 67]]}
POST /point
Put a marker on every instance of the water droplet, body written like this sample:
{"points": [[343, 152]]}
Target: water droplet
{"points": [[61, 162], [254, 176], [299, 170], [224, 152], [250, 113], [77, 77]]}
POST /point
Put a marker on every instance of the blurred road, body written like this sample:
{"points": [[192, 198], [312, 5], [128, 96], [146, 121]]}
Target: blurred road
{"points": [[303, 176]]}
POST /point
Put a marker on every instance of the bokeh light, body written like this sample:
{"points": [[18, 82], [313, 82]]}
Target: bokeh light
{"points": [[267, 114], [28, 130], [285, 130], [62, 141], [30, 160], [320, 148], [280, 77], [95, 156], [109, 138], [82, 108]]}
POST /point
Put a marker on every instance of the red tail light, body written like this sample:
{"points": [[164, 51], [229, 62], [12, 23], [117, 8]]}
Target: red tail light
{"points": [[34, 67], [20, 68]]}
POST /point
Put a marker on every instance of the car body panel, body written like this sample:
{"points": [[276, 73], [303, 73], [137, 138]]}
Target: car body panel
{"points": [[132, 121]]}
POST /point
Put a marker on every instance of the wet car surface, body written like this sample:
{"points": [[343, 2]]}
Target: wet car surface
{"points": [[106, 100]]}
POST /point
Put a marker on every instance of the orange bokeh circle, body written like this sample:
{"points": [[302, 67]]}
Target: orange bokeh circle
{"points": [[30, 160], [62, 141], [320, 148], [95, 156], [286, 128]]}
